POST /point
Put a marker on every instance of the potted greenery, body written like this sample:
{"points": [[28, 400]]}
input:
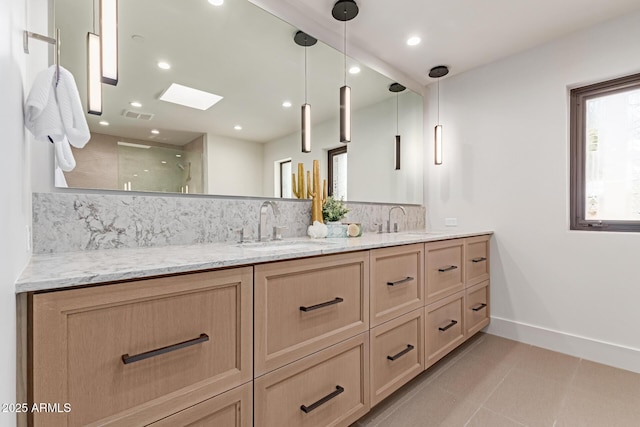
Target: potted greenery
{"points": [[333, 210]]}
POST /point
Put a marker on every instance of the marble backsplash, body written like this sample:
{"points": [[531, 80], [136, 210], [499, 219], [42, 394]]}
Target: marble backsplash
{"points": [[66, 222]]}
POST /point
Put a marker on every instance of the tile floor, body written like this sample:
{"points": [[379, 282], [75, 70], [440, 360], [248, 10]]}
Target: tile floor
{"points": [[495, 382]]}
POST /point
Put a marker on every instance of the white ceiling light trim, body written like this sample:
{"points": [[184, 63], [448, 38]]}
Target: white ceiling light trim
{"points": [[413, 41], [190, 97]]}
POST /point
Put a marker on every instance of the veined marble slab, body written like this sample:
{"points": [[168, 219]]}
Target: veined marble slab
{"points": [[70, 222], [68, 269]]}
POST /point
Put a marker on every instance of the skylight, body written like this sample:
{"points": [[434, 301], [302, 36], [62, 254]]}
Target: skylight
{"points": [[189, 97]]}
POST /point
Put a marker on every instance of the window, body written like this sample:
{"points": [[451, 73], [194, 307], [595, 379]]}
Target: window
{"points": [[337, 173], [605, 156], [284, 179]]}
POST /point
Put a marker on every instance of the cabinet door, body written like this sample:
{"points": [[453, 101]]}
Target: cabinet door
{"points": [[477, 308], [397, 353], [477, 259], [444, 269], [328, 388], [306, 305], [231, 409], [397, 281], [444, 327], [132, 353]]}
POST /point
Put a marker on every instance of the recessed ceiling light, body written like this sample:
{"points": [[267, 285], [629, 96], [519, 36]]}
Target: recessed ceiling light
{"points": [[135, 104], [237, 127], [164, 162], [354, 70], [216, 2], [164, 65], [189, 97], [178, 155], [146, 170], [155, 131], [286, 104], [412, 41], [103, 123], [135, 174]]}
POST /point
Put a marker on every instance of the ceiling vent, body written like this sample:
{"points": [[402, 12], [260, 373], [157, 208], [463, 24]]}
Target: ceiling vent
{"points": [[135, 115]]}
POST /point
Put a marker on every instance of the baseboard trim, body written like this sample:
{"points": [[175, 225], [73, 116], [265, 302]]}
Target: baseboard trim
{"points": [[575, 345]]}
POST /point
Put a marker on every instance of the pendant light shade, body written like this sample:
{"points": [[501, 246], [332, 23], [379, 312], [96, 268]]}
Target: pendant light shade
{"points": [[436, 73], [397, 88], [345, 10], [305, 40], [109, 40], [94, 86]]}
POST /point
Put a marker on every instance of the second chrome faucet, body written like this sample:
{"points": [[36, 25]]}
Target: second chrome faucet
{"points": [[262, 221], [395, 224]]}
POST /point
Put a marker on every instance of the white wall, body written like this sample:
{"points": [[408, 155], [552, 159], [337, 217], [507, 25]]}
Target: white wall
{"points": [[506, 167], [223, 174], [371, 174]]}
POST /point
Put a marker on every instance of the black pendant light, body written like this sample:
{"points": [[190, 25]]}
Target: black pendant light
{"points": [[345, 10], [305, 40], [436, 73], [397, 88]]}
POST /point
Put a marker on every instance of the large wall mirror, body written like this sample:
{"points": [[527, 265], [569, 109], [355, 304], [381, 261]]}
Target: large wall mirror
{"points": [[248, 143]]}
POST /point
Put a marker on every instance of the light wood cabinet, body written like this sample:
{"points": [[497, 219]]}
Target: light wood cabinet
{"points": [[478, 310], [477, 259], [233, 408], [327, 388], [133, 353], [397, 354], [306, 305], [444, 269], [444, 327], [397, 281]]}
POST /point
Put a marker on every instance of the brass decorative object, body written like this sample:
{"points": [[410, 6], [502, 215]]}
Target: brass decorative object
{"points": [[317, 199], [298, 188]]}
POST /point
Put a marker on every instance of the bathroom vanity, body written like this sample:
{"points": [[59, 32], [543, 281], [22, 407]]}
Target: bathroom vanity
{"points": [[297, 333]]}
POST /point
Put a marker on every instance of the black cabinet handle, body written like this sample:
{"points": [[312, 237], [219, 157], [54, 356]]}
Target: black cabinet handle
{"points": [[401, 281], [479, 307], [337, 300], [444, 328], [480, 259], [328, 397], [402, 353], [451, 267], [126, 359]]}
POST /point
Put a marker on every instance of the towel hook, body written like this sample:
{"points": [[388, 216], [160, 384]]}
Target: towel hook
{"points": [[54, 41]]}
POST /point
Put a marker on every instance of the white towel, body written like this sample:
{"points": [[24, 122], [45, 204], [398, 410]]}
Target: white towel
{"points": [[71, 111], [41, 115]]}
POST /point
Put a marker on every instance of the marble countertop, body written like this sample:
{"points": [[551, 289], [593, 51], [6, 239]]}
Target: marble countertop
{"points": [[69, 269]]}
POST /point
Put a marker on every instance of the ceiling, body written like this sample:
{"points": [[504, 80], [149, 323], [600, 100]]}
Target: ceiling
{"points": [[462, 34]]}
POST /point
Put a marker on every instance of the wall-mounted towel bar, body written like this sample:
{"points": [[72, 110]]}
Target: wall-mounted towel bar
{"points": [[54, 41]]}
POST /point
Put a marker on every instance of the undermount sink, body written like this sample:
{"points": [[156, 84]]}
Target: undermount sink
{"points": [[281, 245]]}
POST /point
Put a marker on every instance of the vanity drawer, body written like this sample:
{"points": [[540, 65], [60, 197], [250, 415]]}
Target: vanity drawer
{"points": [[305, 305], [444, 269], [328, 388], [477, 259], [133, 353], [478, 310], [397, 354], [397, 281], [444, 327], [231, 409]]}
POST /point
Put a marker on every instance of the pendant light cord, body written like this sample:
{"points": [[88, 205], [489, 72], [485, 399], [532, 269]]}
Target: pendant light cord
{"points": [[94, 16], [305, 70], [438, 100], [397, 108], [345, 50]]}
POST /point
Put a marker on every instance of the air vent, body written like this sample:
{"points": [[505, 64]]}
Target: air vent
{"points": [[135, 115]]}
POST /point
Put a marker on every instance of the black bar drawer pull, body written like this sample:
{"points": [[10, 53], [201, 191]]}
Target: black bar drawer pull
{"points": [[126, 359], [328, 397], [479, 307], [451, 267], [401, 281], [324, 304], [444, 328], [479, 259], [402, 353]]}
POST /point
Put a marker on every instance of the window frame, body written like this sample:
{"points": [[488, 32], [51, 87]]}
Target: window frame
{"points": [[330, 154], [577, 147]]}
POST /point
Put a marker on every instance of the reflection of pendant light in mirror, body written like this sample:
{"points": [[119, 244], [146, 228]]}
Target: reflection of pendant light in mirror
{"points": [[305, 40], [345, 10], [109, 39], [94, 86], [436, 73], [397, 88]]}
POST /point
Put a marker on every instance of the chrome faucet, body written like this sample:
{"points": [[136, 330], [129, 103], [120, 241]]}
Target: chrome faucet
{"points": [[262, 224], [395, 225]]}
